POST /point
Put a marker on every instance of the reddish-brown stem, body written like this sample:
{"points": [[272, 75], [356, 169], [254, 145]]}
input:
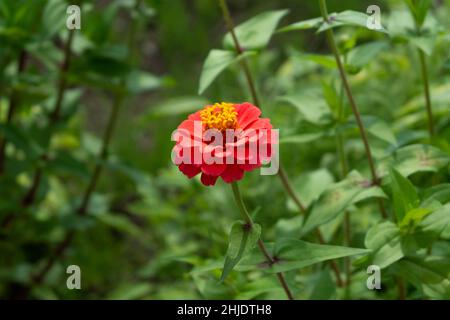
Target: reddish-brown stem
{"points": [[356, 113], [248, 219]]}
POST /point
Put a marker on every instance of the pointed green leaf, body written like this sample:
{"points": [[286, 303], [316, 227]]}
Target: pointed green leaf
{"points": [[430, 275], [216, 62], [347, 18], [440, 193], [303, 25], [404, 194], [385, 241], [362, 55], [312, 107], [256, 32], [413, 218], [292, 254], [382, 131], [242, 239], [436, 222], [414, 158], [338, 197], [141, 81], [177, 106]]}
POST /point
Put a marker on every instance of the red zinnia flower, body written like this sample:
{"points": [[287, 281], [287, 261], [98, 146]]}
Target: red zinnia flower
{"points": [[222, 140]]}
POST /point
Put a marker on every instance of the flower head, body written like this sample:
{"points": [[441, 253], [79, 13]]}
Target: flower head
{"points": [[222, 140]]}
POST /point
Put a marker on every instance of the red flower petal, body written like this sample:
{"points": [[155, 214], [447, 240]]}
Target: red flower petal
{"points": [[255, 133], [189, 170], [247, 113], [195, 116], [189, 125], [213, 169], [263, 123], [208, 180], [232, 173]]}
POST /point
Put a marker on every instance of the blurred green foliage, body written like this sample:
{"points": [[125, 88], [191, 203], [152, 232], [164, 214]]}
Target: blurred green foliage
{"points": [[149, 232]]}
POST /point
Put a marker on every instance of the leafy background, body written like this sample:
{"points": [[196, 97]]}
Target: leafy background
{"points": [[150, 233]]}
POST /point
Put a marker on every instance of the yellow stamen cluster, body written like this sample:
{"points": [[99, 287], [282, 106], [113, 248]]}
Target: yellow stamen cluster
{"points": [[220, 116]]}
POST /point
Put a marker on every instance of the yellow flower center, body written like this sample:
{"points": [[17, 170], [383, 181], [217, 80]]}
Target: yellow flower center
{"points": [[220, 116]]}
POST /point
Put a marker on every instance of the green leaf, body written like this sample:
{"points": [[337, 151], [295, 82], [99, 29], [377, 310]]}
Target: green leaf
{"points": [[404, 195], [426, 44], [325, 61], [178, 106], [120, 223], [292, 254], [141, 81], [414, 158], [303, 25], [324, 287], [302, 138], [362, 55], [20, 139], [254, 289], [312, 107], [385, 241], [382, 131], [131, 291], [440, 193], [429, 274], [413, 218], [347, 18], [54, 17], [242, 239], [436, 222], [339, 196], [256, 32], [309, 186], [332, 98], [419, 10], [216, 62]]}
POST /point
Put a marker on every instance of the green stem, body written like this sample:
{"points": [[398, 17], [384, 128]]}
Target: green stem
{"points": [[290, 190], [426, 87], [262, 247], [424, 73], [251, 84], [356, 113], [347, 226]]}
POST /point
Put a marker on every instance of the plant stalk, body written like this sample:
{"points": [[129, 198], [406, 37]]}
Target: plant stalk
{"points": [[426, 87], [340, 147], [251, 84], [356, 113], [262, 247], [230, 25], [424, 73]]}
